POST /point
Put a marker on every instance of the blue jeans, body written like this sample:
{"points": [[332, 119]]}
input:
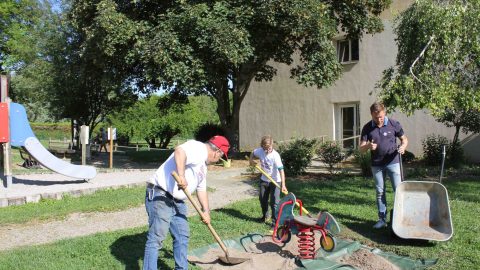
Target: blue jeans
{"points": [[269, 190], [379, 173], [165, 214]]}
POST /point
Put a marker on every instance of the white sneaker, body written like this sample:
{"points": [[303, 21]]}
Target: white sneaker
{"points": [[380, 224]]}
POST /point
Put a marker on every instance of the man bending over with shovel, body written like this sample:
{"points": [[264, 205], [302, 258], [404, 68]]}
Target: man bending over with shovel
{"points": [[165, 200]]}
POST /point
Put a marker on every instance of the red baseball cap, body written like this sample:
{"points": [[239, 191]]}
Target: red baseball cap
{"points": [[220, 142]]}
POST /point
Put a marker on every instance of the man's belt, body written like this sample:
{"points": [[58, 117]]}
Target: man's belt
{"points": [[167, 194]]}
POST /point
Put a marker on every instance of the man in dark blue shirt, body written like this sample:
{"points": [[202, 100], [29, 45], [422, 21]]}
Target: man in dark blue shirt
{"points": [[380, 136]]}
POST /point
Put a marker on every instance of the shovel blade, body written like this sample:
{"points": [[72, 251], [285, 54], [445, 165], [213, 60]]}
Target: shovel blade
{"points": [[233, 260]]}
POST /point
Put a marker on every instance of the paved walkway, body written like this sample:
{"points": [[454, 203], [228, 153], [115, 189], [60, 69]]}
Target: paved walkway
{"points": [[229, 185], [34, 187]]}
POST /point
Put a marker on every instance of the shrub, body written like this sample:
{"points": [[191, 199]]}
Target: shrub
{"points": [[455, 155], [408, 156], [432, 151], [432, 148], [297, 155], [364, 160], [331, 154], [207, 131]]}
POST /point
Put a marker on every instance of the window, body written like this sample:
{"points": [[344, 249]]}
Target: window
{"points": [[348, 125], [348, 51]]}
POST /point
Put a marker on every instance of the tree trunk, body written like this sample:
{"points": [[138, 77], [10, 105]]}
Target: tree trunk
{"points": [[457, 133], [230, 115], [151, 142]]}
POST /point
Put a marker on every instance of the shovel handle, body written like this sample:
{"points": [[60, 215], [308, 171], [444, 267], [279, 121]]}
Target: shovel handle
{"points": [[278, 186], [200, 212]]}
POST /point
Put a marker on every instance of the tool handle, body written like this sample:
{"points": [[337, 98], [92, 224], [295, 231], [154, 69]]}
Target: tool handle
{"points": [[276, 184], [200, 212]]}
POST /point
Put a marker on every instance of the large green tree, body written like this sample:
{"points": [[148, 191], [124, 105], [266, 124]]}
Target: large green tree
{"points": [[157, 119], [219, 47], [17, 19], [438, 63], [25, 29]]}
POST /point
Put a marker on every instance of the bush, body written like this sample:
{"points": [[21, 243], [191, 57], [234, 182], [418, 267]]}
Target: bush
{"points": [[207, 131], [408, 156], [297, 155], [432, 151], [365, 162], [432, 145], [331, 154], [455, 155]]}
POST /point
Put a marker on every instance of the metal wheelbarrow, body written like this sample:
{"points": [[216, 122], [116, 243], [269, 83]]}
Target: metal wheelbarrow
{"points": [[422, 210]]}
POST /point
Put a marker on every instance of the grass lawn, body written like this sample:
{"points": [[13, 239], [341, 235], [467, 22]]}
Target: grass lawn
{"points": [[351, 200]]}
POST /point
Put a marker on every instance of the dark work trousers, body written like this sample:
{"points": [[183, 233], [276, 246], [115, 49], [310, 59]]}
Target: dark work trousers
{"points": [[269, 190]]}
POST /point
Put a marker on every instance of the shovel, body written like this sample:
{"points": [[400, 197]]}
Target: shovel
{"points": [[227, 258], [278, 186]]}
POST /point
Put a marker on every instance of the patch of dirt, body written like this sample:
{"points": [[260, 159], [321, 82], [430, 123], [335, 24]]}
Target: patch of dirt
{"points": [[267, 254], [365, 260]]}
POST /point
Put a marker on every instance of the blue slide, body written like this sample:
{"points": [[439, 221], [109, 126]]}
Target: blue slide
{"points": [[22, 136]]}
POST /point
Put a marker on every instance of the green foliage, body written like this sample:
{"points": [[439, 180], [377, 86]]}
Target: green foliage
{"points": [[16, 19], [55, 131], [432, 148], [331, 154], [150, 119], [27, 29], [207, 131], [455, 155], [408, 156], [445, 78], [219, 47], [365, 161], [432, 151], [297, 155]]}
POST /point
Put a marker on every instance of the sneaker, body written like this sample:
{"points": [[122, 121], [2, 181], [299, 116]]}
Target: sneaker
{"points": [[381, 223]]}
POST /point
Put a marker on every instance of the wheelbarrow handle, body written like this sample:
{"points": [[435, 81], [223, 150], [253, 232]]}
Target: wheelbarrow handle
{"points": [[401, 164], [200, 212]]}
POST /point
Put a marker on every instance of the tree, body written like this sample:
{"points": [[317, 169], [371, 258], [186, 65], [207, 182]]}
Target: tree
{"points": [[438, 63], [161, 117], [219, 47], [17, 19], [25, 31]]}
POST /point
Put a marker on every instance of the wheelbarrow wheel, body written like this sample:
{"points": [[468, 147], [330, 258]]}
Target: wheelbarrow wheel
{"points": [[284, 234], [328, 242]]}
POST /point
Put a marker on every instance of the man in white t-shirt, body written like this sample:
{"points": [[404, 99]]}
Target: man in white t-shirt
{"points": [[165, 201], [271, 163]]}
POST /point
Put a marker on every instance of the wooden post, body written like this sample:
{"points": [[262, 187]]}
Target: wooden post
{"points": [[84, 131], [110, 134]]}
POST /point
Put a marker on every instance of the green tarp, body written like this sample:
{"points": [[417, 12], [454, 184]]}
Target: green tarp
{"points": [[324, 260]]}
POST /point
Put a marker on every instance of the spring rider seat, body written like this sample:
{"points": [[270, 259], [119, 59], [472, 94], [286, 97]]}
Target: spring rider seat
{"points": [[304, 227]]}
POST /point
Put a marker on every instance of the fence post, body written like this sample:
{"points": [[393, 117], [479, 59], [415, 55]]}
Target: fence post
{"points": [[136, 147]]}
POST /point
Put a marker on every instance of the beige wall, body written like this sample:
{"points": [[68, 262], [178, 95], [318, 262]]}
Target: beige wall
{"points": [[285, 109]]}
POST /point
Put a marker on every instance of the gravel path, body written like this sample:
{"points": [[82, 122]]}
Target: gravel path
{"points": [[229, 186]]}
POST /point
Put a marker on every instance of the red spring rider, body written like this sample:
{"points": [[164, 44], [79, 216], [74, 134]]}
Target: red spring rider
{"points": [[304, 227]]}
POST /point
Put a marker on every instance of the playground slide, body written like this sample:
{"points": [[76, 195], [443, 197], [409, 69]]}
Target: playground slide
{"points": [[22, 136]]}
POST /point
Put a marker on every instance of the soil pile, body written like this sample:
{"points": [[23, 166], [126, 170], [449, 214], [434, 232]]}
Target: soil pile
{"points": [[266, 254]]}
